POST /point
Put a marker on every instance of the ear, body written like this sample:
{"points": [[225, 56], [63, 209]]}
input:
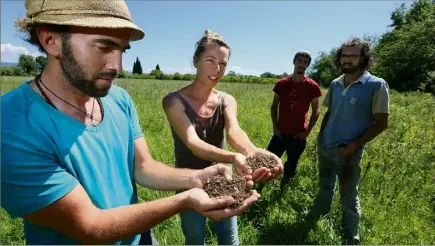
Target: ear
{"points": [[51, 41]]}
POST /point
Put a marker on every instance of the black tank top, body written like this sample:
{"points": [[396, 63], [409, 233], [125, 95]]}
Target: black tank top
{"points": [[212, 133]]}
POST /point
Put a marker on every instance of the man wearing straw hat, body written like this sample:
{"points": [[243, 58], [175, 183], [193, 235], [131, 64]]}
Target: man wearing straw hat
{"points": [[72, 147]]}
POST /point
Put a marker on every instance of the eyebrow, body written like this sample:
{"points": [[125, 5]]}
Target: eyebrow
{"points": [[216, 59], [112, 43]]}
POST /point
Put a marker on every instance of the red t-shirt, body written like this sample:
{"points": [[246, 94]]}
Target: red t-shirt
{"points": [[294, 103]]}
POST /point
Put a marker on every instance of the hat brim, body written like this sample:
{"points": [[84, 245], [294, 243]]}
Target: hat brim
{"points": [[88, 21]]}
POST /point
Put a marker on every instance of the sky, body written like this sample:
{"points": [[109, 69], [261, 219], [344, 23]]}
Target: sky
{"points": [[263, 35]]}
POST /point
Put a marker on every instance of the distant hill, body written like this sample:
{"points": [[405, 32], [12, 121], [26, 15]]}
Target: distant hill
{"points": [[8, 64]]}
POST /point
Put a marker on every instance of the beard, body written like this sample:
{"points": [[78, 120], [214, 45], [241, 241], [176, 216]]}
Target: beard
{"points": [[74, 74], [300, 71], [350, 69]]}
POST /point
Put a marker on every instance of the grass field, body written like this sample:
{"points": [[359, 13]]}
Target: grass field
{"points": [[397, 191]]}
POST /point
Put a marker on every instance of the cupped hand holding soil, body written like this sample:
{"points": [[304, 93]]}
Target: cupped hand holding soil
{"points": [[218, 186], [259, 160]]}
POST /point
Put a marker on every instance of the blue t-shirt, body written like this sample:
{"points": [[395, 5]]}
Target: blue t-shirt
{"points": [[45, 154]]}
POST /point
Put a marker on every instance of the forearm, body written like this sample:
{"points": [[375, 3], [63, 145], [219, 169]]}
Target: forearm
{"points": [[274, 115], [313, 120], [239, 140], [370, 134], [209, 152], [107, 226], [324, 122], [158, 176]]}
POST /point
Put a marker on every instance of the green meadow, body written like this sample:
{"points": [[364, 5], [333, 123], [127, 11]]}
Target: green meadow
{"points": [[397, 191]]}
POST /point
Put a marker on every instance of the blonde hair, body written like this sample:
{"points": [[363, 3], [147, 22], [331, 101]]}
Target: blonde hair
{"points": [[210, 38]]}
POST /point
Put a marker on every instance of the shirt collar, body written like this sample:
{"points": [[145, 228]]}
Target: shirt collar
{"points": [[363, 78]]}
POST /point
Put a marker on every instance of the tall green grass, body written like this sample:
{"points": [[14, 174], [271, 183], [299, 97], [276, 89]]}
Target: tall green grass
{"points": [[397, 191]]}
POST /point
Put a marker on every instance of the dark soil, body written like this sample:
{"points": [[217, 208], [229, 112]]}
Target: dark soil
{"points": [[261, 160], [218, 186]]}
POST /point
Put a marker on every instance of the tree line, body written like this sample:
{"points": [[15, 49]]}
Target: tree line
{"points": [[404, 56]]}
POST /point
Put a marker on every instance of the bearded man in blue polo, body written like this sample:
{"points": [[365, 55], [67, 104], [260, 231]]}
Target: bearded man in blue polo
{"points": [[358, 111]]}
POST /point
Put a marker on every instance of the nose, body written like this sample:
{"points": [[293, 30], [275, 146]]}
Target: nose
{"points": [[115, 62]]}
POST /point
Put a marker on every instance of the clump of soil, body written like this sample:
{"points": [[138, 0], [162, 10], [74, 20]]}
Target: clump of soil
{"points": [[218, 186], [260, 160]]}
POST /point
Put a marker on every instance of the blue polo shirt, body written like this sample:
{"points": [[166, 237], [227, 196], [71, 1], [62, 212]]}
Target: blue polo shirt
{"points": [[352, 108], [45, 154]]}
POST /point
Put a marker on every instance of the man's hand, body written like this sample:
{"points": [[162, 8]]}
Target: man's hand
{"points": [[218, 169], [264, 175], [276, 131], [348, 150], [216, 208], [302, 135]]}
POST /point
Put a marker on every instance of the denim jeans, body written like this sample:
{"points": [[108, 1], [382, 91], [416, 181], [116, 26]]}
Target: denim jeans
{"points": [[193, 226], [331, 166], [294, 148], [147, 238]]}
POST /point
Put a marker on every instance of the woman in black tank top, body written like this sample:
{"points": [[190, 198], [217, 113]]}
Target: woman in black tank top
{"points": [[200, 117]]}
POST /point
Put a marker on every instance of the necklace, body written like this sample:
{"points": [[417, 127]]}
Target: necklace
{"points": [[38, 82]]}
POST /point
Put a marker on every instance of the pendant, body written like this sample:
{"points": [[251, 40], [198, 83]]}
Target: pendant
{"points": [[94, 122]]}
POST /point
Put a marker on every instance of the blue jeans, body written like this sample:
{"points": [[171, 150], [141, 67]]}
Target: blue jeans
{"points": [[193, 226], [147, 238], [331, 165]]}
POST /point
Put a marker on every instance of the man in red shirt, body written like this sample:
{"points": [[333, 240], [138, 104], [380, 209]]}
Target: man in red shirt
{"points": [[291, 102]]}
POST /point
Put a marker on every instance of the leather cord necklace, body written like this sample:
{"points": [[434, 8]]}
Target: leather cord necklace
{"points": [[38, 82]]}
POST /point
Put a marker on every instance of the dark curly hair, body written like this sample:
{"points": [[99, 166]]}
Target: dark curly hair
{"points": [[366, 53], [32, 37]]}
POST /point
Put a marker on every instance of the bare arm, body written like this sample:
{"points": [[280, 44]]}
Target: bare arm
{"points": [[175, 113], [380, 124], [76, 216], [237, 138], [324, 121], [327, 103], [158, 176], [274, 110], [315, 112]]}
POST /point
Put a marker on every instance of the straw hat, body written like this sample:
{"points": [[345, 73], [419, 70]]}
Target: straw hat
{"points": [[82, 13]]}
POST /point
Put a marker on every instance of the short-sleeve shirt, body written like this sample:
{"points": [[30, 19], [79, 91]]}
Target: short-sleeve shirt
{"points": [[294, 103], [45, 154], [352, 108]]}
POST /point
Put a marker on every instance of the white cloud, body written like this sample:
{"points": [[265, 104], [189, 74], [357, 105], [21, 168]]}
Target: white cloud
{"points": [[244, 71], [11, 53]]}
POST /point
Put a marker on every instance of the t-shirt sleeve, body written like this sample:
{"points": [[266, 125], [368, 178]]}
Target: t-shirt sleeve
{"points": [[315, 91], [134, 119], [31, 177], [277, 87], [381, 99]]}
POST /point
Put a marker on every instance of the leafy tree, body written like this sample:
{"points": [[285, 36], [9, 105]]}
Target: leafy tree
{"points": [[27, 63], [267, 75], [405, 57], [323, 70], [177, 76], [232, 73], [41, 61], [158, 67]]}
